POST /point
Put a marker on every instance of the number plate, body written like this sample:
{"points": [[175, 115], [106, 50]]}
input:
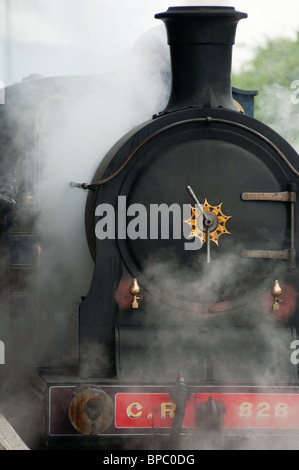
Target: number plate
{"points": [[252, 410]]}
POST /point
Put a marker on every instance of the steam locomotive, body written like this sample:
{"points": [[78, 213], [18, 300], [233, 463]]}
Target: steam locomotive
{"points": [[187, 332]]}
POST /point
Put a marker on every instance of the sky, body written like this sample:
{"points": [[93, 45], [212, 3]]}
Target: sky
{"points": [[79, 37]]}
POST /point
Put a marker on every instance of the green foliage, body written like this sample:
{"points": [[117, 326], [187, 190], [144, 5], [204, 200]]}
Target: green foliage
{"points": [[277, 62], [271, 71]]}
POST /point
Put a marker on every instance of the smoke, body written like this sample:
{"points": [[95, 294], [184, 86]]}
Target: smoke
{"points": [[226, 341], [79, 129], [197, 313], [279, 112], [78, 122], [68, 125], [216, 3]]}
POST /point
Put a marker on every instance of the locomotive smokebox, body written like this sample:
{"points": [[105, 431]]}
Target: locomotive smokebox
{"points": [[201, 40]]}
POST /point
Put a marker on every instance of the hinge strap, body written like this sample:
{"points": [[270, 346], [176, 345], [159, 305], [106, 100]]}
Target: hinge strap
{"points": [[285, 196]]}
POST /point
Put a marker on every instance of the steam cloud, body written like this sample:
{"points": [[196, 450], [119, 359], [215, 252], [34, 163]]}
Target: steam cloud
{"points": [[77, 122], [81, 127]]}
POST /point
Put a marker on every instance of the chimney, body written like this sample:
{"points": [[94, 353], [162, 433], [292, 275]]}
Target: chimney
{"points": [[201, 40]]}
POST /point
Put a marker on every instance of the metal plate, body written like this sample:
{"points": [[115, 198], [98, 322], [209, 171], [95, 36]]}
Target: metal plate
{"points": [[91, 411]]}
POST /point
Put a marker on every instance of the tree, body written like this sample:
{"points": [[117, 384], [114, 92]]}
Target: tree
{"points": [[274, 72]]}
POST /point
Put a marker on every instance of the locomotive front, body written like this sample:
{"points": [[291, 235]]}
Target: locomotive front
{"points": [[191, 219]]}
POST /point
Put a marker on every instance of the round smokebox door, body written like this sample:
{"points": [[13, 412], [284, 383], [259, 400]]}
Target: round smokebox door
{"points": [[170, 237]]}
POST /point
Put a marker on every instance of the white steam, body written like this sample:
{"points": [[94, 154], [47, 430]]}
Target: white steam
{"points": [[76, 130], [280, 111]]}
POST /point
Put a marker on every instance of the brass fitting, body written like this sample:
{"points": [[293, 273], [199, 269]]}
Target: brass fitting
{"points": [[135, 291], [276, 292]]}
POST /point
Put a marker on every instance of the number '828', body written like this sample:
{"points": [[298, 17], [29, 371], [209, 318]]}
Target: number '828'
{"points": [[263, 410]]}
